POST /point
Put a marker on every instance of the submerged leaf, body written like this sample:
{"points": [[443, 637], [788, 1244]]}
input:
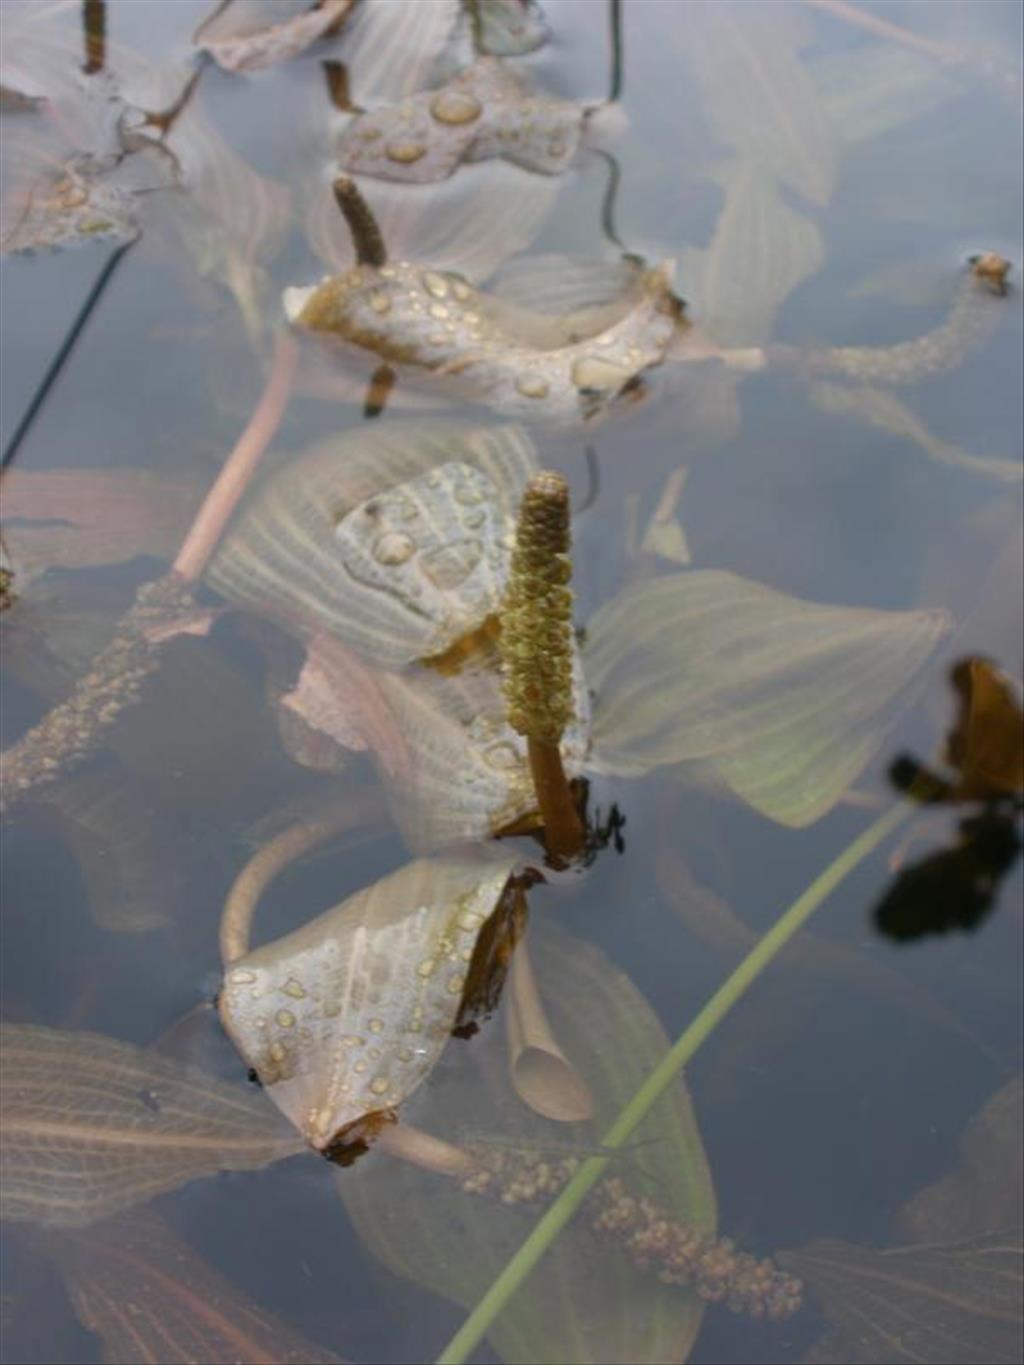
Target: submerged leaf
{"points": [[484, 112], [153, 1301], [759, 99], [878, 408], [761, 250], [345, 1018], [392, 50], [787, 700], [586, 1303], [955, 1303], [71, 518], [392, 540], [873, 89], [434, 327], [244, 36], [91, 1125]]}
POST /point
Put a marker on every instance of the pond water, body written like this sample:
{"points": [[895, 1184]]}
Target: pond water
{"points": [[820, 173]]}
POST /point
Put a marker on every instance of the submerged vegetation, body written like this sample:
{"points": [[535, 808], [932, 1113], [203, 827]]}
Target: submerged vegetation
{"points": [[336, 620]]}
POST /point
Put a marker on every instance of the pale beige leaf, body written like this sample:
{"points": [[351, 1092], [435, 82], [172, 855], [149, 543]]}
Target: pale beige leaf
{"points": [[392, 540], [346, 1017], [91, 1125], [244, 36], [485, 112], [787, 700], [434, 328], [761, 250], [757, 95]]}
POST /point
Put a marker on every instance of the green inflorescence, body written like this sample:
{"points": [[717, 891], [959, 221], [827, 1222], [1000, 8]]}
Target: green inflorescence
{"points": [[536, 621]]}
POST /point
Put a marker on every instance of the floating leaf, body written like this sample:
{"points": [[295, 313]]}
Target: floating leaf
{"points": [[71, 518], [787, 700], [956, 1303], [761, 250], [391, 540], [876, 88], [484, 112], [242, 35], [586, 1303], [152, 1301], [91, 1125], [757, 95], [345, 1018], [877, 408], [434, 327]]}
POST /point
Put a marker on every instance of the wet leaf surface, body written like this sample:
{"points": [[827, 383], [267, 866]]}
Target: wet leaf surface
{"points": [[486, 111], [585, 1303], [787, 700], [92, 1125], [152, 1301], [346, 1017]]}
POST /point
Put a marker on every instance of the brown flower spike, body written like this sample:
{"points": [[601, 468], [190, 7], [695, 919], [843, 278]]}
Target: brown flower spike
{"points": [[536, 647]]}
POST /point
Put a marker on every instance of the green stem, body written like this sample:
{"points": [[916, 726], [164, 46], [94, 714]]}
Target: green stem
{"points": [[518, 1269]]}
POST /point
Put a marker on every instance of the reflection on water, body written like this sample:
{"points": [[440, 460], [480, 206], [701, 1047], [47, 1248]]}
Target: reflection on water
{"points": [[796, 508]]}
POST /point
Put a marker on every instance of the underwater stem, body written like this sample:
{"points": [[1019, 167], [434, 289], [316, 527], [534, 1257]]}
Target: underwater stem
{"points": [[522, 1264], [222, 499]]}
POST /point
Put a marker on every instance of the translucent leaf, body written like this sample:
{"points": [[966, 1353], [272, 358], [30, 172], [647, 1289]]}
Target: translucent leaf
{"points": [[392, 50], [873, 89], [585, 1303], [759, 99], [347, 1016], [486, 111], [987, 1186], [956, 1303], [761, 250], [470, 224], [91, 1125], [436, 329], [787, 700], [70, 518], [152, 1301], [244, 36], [392, 540], [881, 409]]}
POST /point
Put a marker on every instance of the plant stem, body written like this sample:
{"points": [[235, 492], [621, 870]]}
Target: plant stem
{"points": [[519, 1268], [222, 499], [563, 828]]}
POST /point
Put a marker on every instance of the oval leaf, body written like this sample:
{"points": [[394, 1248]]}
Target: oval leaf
{"points": [[586, 1303], [346, 1016], [91, 1125], [786, 699]]}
